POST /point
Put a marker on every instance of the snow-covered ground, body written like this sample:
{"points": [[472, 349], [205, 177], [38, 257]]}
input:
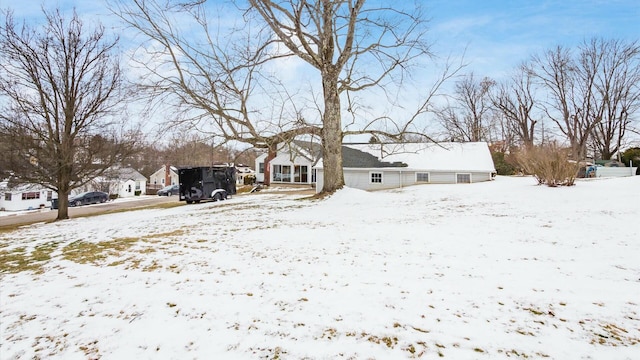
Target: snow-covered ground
{"points": [[489, 270]]}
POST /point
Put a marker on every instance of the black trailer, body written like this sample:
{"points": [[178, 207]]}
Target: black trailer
{"points": [[206, 183]]}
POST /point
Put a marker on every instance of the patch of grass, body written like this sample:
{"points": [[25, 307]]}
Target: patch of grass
{"points": [[18, 259], [390, 342], [10, 228], [614, 335], [83, 252], [166, 205]]}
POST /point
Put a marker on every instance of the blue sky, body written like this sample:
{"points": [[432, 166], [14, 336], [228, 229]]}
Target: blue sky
{"points": [[495, 35], [500, 34]]}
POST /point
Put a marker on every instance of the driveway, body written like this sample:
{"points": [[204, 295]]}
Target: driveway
{"points": [[35, 216]]}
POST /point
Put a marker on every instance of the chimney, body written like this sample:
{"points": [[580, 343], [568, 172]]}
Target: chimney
{"points": [[167, 175]]}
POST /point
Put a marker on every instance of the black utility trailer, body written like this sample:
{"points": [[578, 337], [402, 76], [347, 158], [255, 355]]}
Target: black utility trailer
{"points": [[206, 183]]}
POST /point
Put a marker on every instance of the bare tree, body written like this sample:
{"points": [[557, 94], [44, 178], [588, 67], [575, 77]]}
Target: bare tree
{"points": [[514, 100], [469, 117], [615, 67], [215, 83], [591, 94], [347, 45], [61, 84], [569, 96]]}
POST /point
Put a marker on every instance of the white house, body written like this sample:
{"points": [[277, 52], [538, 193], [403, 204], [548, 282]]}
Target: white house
{"points": [[24, 197], [293, 164], [385, 166], [125, 182], [243, 171], [130, 182], [165, 176]]}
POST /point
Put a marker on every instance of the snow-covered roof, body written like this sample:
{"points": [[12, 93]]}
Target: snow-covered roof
{"points": [[450, 156], [127, 174], [4, 187]]}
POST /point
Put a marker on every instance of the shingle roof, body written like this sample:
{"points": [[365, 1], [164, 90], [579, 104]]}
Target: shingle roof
{"points": [[129, 174], [354, 158]]}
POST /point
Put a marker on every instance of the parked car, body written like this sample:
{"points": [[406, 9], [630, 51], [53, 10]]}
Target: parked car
{"points": [[169, 190], [89, 197]]}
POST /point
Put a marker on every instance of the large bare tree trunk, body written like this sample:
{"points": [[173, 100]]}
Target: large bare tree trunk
{"points": [[63, 201], [332, 137], [267, 164]]}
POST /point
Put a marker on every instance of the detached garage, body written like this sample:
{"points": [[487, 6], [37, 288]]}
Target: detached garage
{"points": [[388, 166]]}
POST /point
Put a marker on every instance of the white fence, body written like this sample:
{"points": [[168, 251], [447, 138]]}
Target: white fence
{"points": [[602, 171]]}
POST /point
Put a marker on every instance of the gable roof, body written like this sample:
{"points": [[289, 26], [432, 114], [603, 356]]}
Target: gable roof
{"points": [[127, 174], [450, 156], [308, 149]]}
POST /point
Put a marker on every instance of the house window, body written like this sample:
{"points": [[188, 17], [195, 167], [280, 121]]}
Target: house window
{"points": [[463, 178], [7, 196], [162, 181], [30, 195], [49, 195], [422, 177], [277, 173], [261, 168], [286, 173], [313, 175], [137, 185], [300, 173], [376, 178]]}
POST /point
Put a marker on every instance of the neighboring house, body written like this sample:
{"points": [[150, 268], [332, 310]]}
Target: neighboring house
{"points": [[165, 176], [125, 182], [293, 164], [243, 171], [386, 166], [130, 182], [24, 197]]}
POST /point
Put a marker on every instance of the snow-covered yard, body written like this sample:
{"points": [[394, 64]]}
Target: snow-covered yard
{"points": [[489, 270]]}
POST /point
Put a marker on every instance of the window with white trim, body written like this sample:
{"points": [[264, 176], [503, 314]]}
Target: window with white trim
{"points": [[7, 196], [463, 178], [422, 177], [376, 177], [276, 174], [30, 195]]}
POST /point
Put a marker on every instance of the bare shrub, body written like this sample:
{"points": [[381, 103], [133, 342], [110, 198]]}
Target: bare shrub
{"points": [[549, 164]]}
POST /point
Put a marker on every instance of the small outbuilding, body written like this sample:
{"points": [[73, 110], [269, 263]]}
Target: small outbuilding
{"points": [[385, 166]]}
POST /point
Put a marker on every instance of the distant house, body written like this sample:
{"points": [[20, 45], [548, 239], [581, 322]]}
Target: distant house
{"points": [[24, 197], [165, 176], [293, 164], [386, 166], [130, 182], [243, 171], [125, 182]]}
